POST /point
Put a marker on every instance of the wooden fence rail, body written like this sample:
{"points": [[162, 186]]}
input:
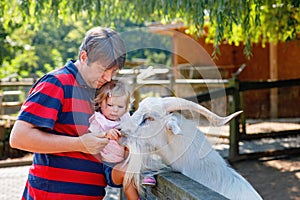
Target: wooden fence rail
{"points": [[233, 87], [238, 132], [229, 87], [236, 89]]}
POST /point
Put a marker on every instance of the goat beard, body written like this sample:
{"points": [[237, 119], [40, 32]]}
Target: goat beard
{"points": [[141, 158]]}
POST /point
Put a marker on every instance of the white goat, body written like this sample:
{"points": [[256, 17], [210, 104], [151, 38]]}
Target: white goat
{"points": [[156, 130]]}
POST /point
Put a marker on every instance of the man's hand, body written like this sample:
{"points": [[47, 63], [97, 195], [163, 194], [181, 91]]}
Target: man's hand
{"points": [[93, 143]]}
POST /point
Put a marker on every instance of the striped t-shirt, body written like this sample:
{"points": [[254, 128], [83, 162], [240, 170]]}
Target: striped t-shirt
{"points": [[61, 103]]}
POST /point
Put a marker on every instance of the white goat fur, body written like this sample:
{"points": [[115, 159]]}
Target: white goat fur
{"points": [[181, 146]]}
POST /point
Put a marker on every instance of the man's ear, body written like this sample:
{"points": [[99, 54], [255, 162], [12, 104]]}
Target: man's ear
{"points": [[83, 56]]}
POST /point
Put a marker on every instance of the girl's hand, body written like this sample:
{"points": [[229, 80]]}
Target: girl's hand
{"points": [[113, 134]]}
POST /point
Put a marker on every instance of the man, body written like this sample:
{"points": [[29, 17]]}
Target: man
{"points": [[53, 122]]}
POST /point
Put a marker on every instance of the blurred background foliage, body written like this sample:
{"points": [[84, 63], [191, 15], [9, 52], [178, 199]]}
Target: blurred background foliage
{"points": [[30, 52], [38, 36]]}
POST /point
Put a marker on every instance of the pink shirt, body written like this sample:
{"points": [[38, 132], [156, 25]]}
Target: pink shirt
{"points": [[113, 152]]}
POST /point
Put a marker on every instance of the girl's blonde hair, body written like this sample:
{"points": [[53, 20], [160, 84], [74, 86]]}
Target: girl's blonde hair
{"points": [[114, 88]]}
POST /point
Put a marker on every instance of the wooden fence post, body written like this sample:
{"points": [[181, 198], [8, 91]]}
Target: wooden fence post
{"points": [[234, 123], [136, 92], [172, 84]]}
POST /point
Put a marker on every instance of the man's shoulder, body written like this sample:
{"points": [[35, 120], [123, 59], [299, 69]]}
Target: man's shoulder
{"points": [[63, 75]]}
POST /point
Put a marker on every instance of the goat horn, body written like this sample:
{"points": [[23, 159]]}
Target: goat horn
{"points": [[175, 103]]}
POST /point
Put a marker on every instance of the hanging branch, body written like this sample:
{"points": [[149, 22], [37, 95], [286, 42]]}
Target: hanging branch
{"points": [[236, 21]]}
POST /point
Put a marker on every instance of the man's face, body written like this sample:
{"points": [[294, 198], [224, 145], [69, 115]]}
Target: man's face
{"points": [[95, 74]]}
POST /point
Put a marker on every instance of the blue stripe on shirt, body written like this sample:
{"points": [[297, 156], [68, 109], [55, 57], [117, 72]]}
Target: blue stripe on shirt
{"points": [[68, 163], [65, 187]]}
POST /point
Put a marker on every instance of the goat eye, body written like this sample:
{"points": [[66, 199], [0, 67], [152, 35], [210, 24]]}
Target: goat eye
{"points": [[148, 118]]}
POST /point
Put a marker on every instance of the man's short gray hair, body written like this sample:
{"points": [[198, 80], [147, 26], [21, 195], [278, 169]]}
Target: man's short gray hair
{"points": [[104, 45]]}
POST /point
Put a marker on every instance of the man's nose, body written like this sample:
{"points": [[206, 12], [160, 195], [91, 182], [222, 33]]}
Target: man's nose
{"points": [[107, 75]]}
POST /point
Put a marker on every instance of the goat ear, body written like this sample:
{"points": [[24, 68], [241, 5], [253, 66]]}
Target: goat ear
{"points": [[173, 126]]}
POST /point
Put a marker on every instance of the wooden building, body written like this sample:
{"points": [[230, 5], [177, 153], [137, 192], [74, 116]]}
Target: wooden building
{"points": [[272, 62]]}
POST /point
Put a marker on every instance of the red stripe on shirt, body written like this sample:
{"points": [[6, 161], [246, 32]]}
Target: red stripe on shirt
{"points": [[54, 91], [67, 79], [77, 105], [36, 108], [66, 175], [71, 129], [83, 156]]}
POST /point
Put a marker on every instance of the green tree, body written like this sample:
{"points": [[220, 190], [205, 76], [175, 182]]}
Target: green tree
{"points": [[236, 21], [36, 36], [5, 50], [32, 51], [55, 44], [17, 51]]}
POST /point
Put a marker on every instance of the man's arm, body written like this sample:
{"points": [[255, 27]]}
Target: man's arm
{"points": [[27, 137]]}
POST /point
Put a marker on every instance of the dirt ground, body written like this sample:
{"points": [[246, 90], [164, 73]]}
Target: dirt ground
{"points": [[274, 178]]}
